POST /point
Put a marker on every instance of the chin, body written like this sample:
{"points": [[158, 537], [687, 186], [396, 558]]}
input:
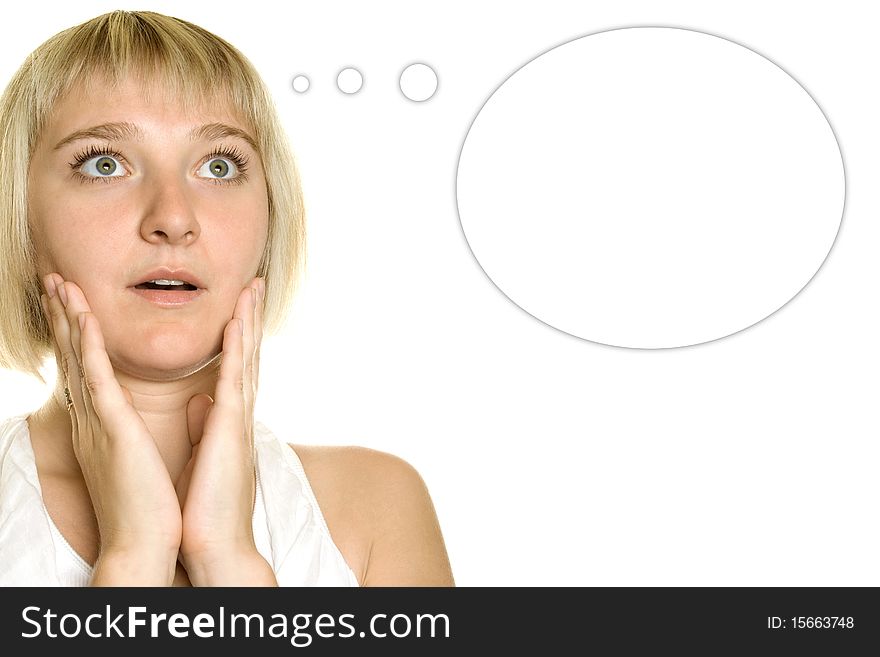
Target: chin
{"points": [[165, 368], [164, 356]]}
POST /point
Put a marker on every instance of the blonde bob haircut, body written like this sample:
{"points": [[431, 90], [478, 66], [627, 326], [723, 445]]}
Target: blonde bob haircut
{"points": [[166, 55]]}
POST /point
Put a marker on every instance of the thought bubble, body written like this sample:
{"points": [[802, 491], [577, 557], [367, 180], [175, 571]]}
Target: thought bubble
{"points": [[301, 84], [349, 80], [650, 187], [418, 82]]}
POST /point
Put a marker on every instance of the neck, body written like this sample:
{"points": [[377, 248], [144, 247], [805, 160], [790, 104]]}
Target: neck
{"points": [[161, 404]]}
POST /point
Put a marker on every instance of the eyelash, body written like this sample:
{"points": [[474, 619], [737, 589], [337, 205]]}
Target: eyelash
{"points": [[231, 153]]}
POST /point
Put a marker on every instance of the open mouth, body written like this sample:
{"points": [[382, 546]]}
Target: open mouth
{"points": [[165, 284], [166, 292]]}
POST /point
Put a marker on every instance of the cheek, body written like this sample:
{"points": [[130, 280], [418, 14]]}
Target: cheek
{"points": [[244, 243], [40, 225], [68, 239], [92, 264]]}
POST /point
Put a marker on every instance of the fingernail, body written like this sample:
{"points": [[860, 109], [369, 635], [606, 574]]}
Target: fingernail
{"points": [[82, 321], [254, 295], [62, 294], [241, 326], [49, 284]]}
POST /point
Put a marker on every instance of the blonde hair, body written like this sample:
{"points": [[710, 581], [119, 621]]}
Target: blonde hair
{"points": [[176, 56]]}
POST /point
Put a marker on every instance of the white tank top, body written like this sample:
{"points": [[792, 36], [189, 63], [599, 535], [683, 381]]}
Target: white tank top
{"points": [[289, 529]]}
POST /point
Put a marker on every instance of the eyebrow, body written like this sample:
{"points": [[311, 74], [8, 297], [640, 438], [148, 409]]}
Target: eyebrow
{"points": [[123, 130]]}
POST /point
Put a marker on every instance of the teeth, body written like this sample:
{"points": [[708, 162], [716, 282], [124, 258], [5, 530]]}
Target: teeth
{"points": [[166, 281]]}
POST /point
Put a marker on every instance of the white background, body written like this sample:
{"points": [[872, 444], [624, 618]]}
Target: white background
{"points": [[750, 460]]}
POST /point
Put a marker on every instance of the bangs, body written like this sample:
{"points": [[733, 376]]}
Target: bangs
{"points": [[167, 57]]}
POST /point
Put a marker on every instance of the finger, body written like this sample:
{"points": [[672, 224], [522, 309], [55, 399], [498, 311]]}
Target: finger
{"points": [[249, 347], [229, 397], [67, 361], [76, 304], [244, 310], [88, 323], [76, 308], [258, 335], [44, 301], [107, 398], [196, 410], [48, 307]]}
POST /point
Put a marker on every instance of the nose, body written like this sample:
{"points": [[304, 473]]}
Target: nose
{"points": [[170, 215]]}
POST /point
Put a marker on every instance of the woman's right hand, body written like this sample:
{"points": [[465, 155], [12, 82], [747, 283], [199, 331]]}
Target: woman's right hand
{"points": [[135, 502]]}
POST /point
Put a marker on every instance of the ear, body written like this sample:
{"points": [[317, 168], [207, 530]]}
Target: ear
{"points": [[197, 409]]}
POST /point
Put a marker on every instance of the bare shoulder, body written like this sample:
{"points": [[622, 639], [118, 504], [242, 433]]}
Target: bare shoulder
{"points": [[380, 515]]}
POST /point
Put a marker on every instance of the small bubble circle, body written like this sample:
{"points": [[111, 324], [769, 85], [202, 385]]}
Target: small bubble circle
{"points": [[349, 80], [301, 84], [418, 82]]}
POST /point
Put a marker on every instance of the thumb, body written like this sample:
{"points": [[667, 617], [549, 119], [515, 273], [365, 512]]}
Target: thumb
{"points": [[196, 411]]}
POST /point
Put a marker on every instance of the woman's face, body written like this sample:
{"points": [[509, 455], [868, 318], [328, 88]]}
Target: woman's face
{"points": [[107, 211]]}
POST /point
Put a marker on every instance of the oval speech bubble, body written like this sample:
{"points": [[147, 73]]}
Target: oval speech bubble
{"points": [[650, 187]]}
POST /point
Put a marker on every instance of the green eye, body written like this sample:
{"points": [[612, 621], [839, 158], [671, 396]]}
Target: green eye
{"points": [[227, 165], [105, 165], [222, 169], [99, 166], [219, 167]]}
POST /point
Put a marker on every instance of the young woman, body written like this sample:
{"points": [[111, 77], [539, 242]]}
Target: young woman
{"points": [[151, 225]]}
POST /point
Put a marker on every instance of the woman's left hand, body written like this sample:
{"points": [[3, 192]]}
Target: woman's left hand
{"points": [[216, 489]]}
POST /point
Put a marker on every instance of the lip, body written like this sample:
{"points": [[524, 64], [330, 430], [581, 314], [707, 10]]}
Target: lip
{"points": [[168, 298], [170, 274]]}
